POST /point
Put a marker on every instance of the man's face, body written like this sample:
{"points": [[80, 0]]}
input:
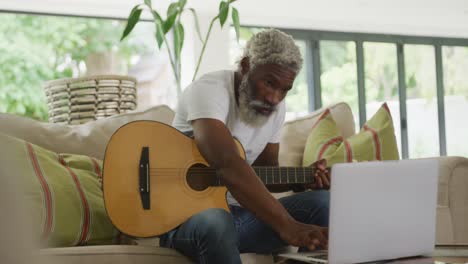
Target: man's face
{"points": [[261, 90]]}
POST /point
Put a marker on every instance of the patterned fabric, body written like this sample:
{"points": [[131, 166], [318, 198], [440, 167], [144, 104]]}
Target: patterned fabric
{"points": [[375, 141], [64, 194]]}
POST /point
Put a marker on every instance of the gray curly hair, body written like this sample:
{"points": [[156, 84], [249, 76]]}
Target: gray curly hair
{"points": [[273, 46]]}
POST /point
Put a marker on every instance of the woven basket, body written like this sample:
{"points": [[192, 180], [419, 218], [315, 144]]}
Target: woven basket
{"points": [[79, 100]]}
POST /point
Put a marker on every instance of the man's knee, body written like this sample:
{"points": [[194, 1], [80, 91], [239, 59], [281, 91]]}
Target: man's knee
{"points": [[215, 224], [321, 201], [320, 198], [317, 203], [317, 197]]}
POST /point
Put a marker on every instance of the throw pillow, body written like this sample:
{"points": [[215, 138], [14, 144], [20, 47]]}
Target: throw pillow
{"points": [[294, 133], [375, 141], [63, 194]]}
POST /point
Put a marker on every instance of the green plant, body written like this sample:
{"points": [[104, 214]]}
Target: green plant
{"points": [[173, 23]]}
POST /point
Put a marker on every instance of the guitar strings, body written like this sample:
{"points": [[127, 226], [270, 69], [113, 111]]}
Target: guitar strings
{"points": [[261, 168], [307, 179], [256, 169], [212, 174], [298, 173], [207, 171], [308, 172]]}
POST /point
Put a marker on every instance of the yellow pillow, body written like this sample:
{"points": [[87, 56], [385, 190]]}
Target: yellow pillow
{"points": [[375, 141], [63, 193]]}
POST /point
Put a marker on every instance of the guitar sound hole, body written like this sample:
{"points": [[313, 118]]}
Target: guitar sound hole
{"points": [[199, 178]]}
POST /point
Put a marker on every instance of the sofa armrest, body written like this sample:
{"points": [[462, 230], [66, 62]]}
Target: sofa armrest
{"points": [[452, 203]]}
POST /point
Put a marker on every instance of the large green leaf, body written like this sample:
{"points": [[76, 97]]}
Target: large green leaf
{"points": [[235, 21], [172, 9], [132, 20], [169, 22], [157, 17], [197, 23], [159, 37], [158, 22], [182, 35], [148, 3], [178, 39], [223, 12], [182, 4]]}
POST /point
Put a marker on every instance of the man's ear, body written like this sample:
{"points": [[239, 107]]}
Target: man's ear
{"points": [[245, 65]]}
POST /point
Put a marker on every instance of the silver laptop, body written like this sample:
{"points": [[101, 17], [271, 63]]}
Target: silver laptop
{"points": [[379, 211]]}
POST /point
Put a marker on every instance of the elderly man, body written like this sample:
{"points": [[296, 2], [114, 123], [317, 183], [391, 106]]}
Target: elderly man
{"points": [[248, 104]]}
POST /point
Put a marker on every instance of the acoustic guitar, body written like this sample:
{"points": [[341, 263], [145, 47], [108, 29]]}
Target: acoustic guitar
{"points": [[154, 178]]}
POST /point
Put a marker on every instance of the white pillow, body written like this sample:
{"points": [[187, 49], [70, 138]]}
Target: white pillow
{"points": [[87, 139]]}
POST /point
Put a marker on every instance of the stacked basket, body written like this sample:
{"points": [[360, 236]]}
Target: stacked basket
{"points": [[79, 100]]}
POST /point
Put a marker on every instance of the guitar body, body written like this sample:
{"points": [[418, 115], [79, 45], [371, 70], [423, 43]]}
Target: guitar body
{"points": [[175, 194]]}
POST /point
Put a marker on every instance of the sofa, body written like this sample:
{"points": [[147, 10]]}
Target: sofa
{"points": [[91, 139]]}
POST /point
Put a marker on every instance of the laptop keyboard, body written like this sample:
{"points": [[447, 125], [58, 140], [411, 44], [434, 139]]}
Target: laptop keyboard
{"points": [[321, 256], [317, 257]]}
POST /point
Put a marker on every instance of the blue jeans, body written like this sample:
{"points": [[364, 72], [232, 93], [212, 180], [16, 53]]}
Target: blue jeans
{"points": [[217, 236]]}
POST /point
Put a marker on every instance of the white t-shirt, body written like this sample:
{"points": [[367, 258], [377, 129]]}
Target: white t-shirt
{"points": [[212, 96]]}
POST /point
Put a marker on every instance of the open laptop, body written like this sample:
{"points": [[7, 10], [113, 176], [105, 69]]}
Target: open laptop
{"points": [[379, 211]]}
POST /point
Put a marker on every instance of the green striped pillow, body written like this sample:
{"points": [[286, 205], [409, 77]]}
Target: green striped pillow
{"points": [[63, 192], [375, 141]]}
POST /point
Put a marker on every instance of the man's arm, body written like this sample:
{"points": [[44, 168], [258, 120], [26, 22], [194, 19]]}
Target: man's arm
{"points": [[269, 157], [217, 146]]}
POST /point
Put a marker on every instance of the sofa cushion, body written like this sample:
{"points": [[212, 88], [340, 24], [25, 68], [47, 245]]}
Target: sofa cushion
{"points": [[375, 141], [114, 254], [452, 206], [63, 194], [87, 139], [294, 133], [131, 255]]}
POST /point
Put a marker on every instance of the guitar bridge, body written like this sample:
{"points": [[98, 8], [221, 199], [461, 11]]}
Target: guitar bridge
{"points": [[144, 176]]}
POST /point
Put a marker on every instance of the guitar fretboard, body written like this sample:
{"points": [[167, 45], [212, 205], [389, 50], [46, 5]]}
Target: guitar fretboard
{"points": [[285, 175], [280, 175]]}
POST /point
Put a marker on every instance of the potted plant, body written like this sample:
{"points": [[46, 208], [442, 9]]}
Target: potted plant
{"points": [[172, 23]]}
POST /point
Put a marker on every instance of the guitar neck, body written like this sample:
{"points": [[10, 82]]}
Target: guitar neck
{"points": [[282, 175], [285, 175]]}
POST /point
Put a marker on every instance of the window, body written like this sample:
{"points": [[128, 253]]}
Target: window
{"points": [[455, 65], [38, 48], [297, 103], [381, 82], [339, 74], [421, 101]]}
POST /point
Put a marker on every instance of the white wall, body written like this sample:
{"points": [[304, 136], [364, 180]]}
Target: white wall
{"points": [[216, 55], [447, 18]]}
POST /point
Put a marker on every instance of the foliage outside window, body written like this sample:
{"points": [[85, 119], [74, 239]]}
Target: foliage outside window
{"points": [[35, 49]]}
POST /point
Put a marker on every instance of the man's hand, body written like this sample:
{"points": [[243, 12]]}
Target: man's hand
{"points": [[321, 176], [304, 235]]}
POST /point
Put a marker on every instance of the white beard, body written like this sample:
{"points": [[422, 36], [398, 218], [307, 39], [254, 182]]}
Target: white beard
{"points": [[248, 113]]}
